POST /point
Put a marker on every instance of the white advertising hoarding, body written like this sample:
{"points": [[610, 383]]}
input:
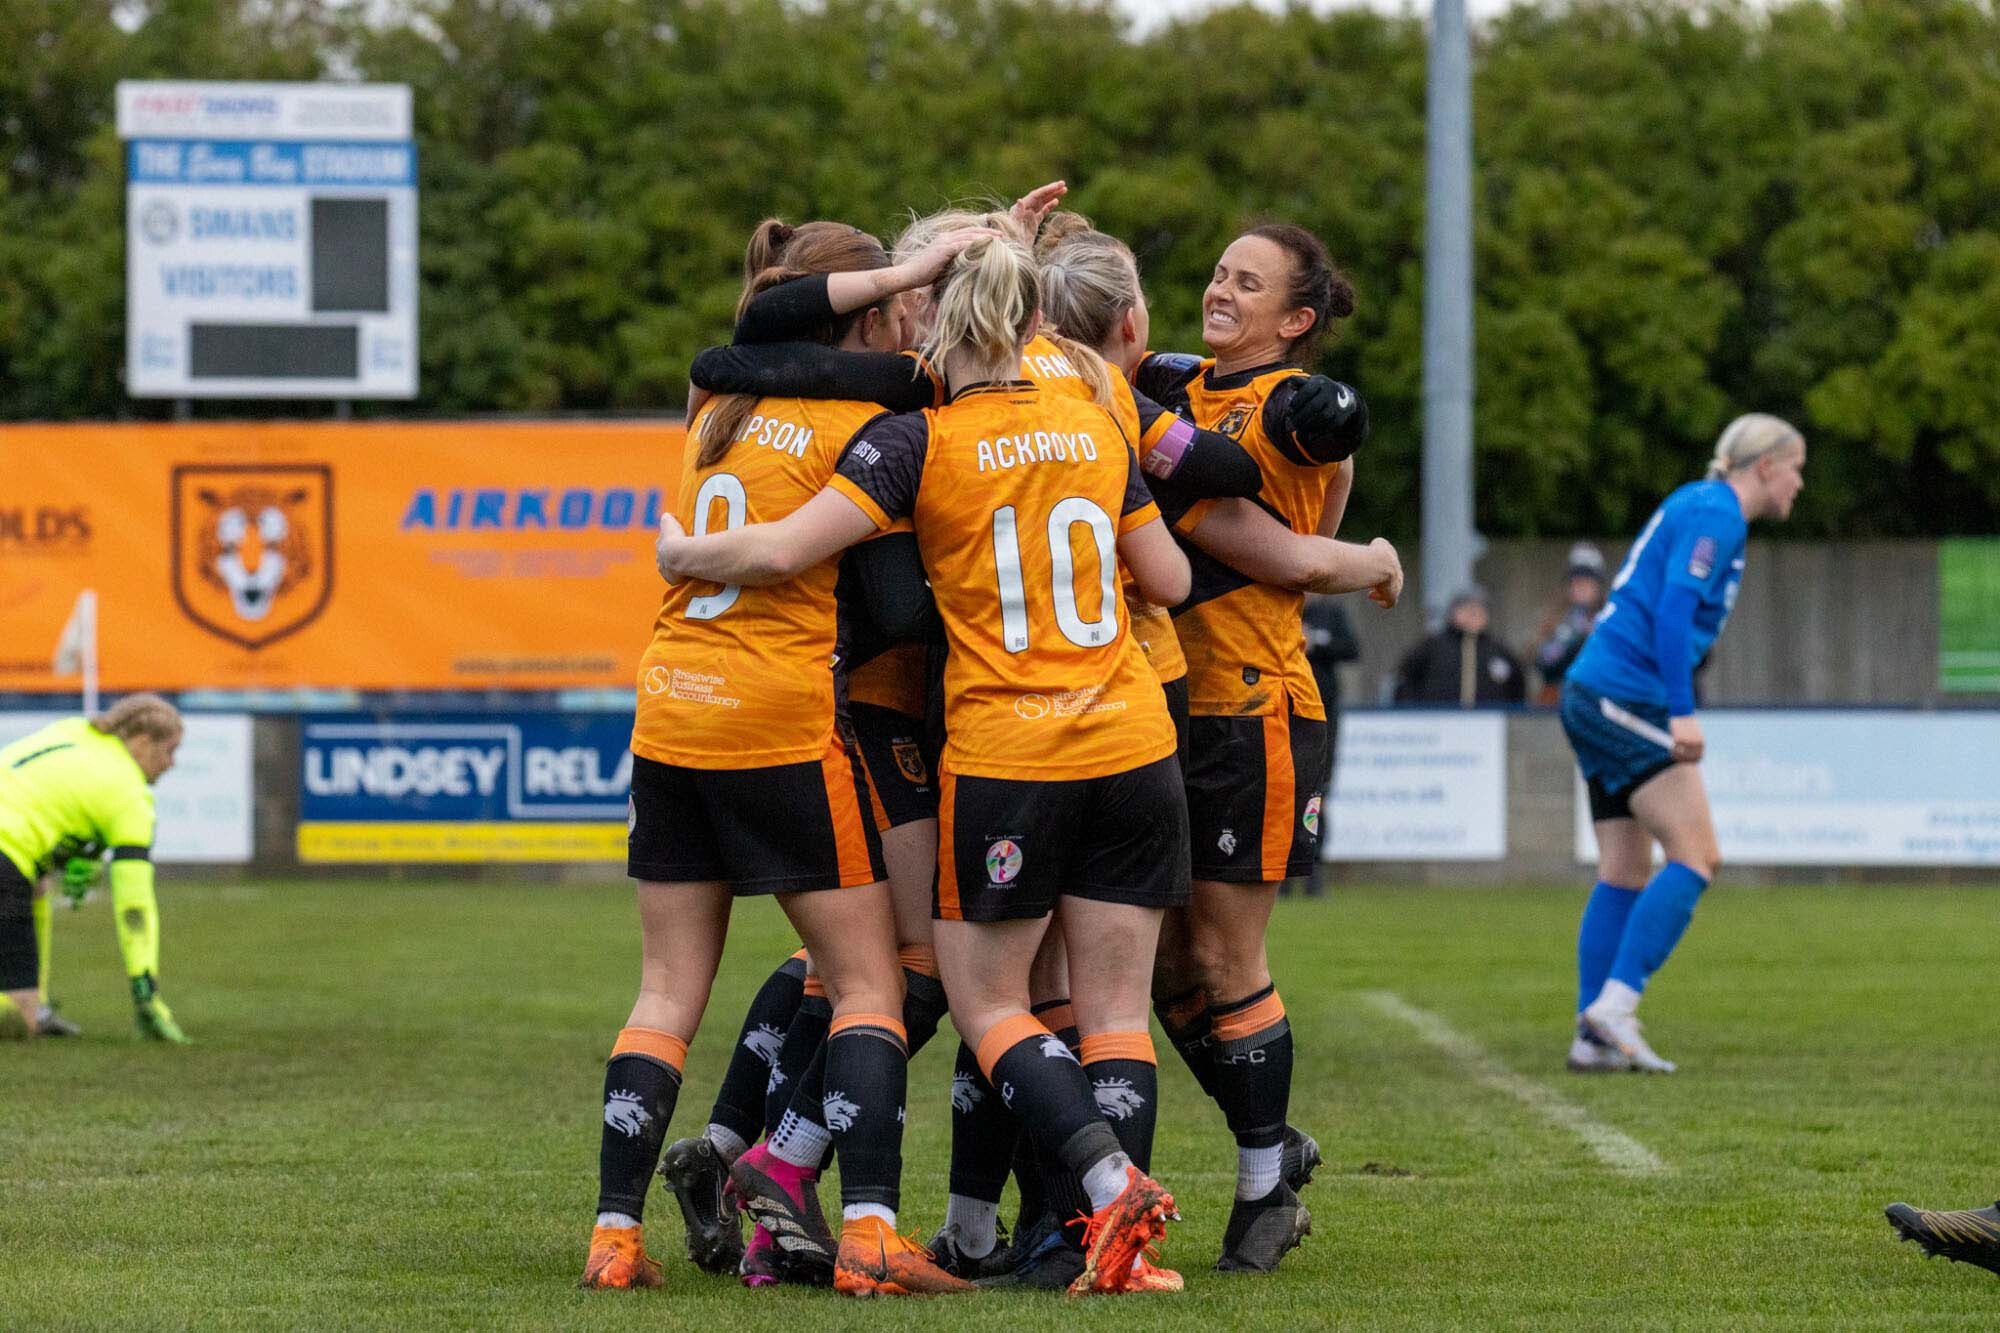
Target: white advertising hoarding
{"points": [[204, 801], [1419, 786], [1847, 788], [270, 240]]}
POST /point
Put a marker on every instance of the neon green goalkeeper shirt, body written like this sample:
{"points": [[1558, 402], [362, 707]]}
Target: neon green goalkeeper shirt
{"points": [[70, 790]]}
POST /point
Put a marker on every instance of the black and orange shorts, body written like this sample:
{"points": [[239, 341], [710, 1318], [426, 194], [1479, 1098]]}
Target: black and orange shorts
{"points": [[786, 828], [1007, 849], [899, 762], [20, 963], [1254, 788]]}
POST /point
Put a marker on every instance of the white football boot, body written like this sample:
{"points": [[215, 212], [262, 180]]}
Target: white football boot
{"points": [[1620, 1030], [1588, 1055]]}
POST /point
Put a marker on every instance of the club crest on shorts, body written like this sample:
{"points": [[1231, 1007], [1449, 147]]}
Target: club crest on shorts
{"points": [[1003, 861], [1311, 818], [1226, 844], [252, 548], [910, 761]]}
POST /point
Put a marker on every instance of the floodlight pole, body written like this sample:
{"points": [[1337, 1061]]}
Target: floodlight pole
{"points": [[1450, 542]]}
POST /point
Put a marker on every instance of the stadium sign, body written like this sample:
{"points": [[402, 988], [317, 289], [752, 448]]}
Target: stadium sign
{"points": [[470, 787], [1414, 785], [1847, 787], [270, 240]]}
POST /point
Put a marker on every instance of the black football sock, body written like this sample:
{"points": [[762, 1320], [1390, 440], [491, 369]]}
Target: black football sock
{"points": [[642, 1080], [983, 1133], [1125, 1075], [1253, 1068], [739, 1103], [924, 1003], [1041, 1082], [803, 1039], [1189, 1027], [867, 1073]]}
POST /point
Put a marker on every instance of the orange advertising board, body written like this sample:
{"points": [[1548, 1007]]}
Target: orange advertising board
{"points": [[376, 556]]}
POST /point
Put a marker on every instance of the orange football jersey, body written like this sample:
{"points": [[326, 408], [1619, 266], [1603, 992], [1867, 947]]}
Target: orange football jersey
{"points": [[1245, 646], [1018, 497], [740, 677]]}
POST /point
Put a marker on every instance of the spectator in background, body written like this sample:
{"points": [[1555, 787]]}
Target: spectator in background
{"points": [[1462, 664], [1564, 631], [1329, 642]]}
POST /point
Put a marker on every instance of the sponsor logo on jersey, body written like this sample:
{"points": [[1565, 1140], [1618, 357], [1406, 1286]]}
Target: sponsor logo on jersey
{"points": [[1003, 861], [252, 548], [1701, 561], [1033, 707]]}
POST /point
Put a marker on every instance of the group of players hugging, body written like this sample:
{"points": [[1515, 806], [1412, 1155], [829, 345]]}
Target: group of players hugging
{"points": [[1025, 795]]}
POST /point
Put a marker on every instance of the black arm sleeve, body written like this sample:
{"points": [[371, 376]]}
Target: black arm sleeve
{"points": [[1164, 376], [789, 310], [813, 370], [1203, 464], [1314, 420]]}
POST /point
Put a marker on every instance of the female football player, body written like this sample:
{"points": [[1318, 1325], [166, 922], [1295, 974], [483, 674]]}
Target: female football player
{"points": [[75, 790], [741, 785], [1257, 737], [1628, 710], [1058, 781]]}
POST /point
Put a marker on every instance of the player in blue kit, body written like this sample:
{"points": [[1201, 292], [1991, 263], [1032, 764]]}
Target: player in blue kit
{"points": [[1628, 710]]}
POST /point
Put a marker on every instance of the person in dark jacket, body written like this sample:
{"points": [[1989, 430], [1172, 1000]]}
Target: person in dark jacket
{"points": [[1564, 631], [1462, 664]]}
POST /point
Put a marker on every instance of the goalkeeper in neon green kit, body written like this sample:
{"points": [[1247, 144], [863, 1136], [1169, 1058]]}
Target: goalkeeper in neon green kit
{"points": [[68, 794]]}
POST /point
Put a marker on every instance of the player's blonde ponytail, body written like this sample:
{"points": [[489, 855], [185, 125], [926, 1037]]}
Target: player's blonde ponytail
{"points": [[1089, 282], [986, 302], [139, 715], [1747, 439]]}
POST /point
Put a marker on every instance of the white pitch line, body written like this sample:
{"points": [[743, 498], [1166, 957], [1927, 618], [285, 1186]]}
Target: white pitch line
{"points": [[1615, 1148]]}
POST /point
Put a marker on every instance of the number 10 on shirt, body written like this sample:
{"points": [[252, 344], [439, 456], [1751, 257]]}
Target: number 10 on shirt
{"points": [[1063, 518]]}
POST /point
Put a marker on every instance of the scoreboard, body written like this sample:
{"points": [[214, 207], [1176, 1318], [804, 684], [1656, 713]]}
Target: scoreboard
{"points": [[270, 240]]}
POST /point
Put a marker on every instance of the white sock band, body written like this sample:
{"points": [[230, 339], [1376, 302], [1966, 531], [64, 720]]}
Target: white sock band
{"points": [[800, 1143], [977, 1222], [1257, 1170], [1106, 1181], [726, 1140], [854, 1212], [617, 1220]]}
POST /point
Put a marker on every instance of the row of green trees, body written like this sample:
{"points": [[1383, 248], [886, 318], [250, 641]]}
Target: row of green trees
{"points": [[1684, 211]]}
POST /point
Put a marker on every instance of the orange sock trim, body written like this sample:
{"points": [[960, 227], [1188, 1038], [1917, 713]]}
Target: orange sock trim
{"points": [[1249, 1021], [654, 1044], [1056, 1017], [814, 986], [920, 959], [843, 1022], [1119, 1046], [1004, 1036]]}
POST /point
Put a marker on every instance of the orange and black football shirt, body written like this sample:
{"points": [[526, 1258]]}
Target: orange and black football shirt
{"points": [[1018, 497], [740, 677], [1244, 642]]}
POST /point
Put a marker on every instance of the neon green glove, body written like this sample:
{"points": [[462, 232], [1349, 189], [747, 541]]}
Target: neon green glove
{"points": [[80, 875], [150, 1013]]}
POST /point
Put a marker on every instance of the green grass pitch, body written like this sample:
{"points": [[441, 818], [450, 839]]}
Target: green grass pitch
{"points": [[391, 1121]]}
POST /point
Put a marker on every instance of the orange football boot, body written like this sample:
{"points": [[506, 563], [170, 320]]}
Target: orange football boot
{"points": [[618, 1260], [875, 1261], [1119, 1233]]}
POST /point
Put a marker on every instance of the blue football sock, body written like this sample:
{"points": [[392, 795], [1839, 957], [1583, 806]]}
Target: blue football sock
{"points": [[1659, 919], [1597, 938]]}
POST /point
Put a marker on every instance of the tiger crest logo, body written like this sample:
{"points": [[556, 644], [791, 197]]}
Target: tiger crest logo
{"points": [[910, 760], [1234, 421], [252, 548]]}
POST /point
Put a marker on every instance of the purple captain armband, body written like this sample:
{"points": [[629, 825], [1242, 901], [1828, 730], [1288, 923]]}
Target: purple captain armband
{"points": [[1164, 458]]}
